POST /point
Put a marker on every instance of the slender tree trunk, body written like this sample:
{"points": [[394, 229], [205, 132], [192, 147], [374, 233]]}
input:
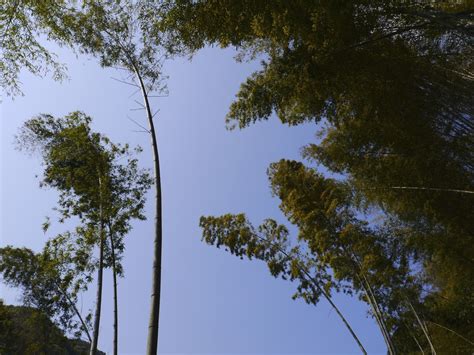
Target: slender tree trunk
{"points": [[344, 320], [153, 326], [372, 301], [114, 274], [370, 298], [452, 331], [418, 344], [95, 333], [378, 315], [73, 305], [326, 295], [423, 328], [423, 189]]}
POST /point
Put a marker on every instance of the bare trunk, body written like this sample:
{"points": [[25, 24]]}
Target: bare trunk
{"points": [[452, 331], [95, 334], [346, 323], [425, 189], [153, 326], [378, 315], [114, 274], [371, 299], [84, 325], [424, 329], [327, 296]]}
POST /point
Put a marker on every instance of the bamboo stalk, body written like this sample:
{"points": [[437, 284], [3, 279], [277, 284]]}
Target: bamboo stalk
{"points": [[95, 334]]}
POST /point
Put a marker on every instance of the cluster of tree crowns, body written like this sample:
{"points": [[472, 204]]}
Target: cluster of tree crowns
{"points": [[101, 186], [389, 86]]}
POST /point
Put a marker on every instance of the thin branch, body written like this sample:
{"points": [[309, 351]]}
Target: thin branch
{"points": [[381, 37], [322, 290], [73, 305], [378, 313], [134, 93], [423, 328], [418, 344], [452, 331], [423, 189], [139, 103], [372, 300], [138, 124], [120, 68], [129, 76], [125, 82]]}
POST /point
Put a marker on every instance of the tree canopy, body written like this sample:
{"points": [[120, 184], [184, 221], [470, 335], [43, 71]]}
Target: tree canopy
{"points": [[386, 84], [95, 185], [339, 248], [390, 86], [50, 281]]}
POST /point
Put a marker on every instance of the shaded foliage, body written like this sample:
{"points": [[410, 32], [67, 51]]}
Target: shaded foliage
{"points": [[337, 249], [25, 25], [26, 330], [28, 20], [50, 281], [390, 85]]}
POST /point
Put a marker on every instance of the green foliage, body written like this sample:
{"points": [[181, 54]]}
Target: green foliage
{"points": [[120, 38], [70, 23], [97, 180], [118, 34], [28, 20], [62, 22], [100, 184], [25, 330], [391, 81], [338, 250], [50, 281], [269, 243], [6, 332], [390, 84], [329, 59]]}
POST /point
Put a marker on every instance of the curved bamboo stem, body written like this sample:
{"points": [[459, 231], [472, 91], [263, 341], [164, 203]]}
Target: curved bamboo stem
{"points": [[153, 326], [326, 295]]}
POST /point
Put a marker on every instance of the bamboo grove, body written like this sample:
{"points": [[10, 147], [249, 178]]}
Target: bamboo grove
{"points": [[388, 88]]}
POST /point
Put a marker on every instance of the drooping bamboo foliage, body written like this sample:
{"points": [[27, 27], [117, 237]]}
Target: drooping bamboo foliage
{"points": [[270, 244], [390, 85], [391, 81]]}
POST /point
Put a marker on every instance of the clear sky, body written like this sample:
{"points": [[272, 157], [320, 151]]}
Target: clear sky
{"points": [[212, 302]]}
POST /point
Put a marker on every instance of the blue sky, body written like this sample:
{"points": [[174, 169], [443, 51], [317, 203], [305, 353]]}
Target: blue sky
{"points": [[212, 302]]}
